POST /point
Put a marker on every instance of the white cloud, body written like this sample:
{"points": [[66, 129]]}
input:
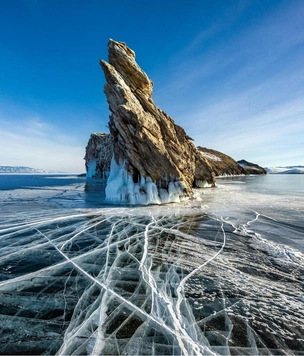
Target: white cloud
{"points": [[244, 96], [38, 144], [272, 134], [214, 63]]}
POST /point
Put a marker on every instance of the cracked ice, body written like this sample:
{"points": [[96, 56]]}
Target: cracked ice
{"points": [[168, 280]]}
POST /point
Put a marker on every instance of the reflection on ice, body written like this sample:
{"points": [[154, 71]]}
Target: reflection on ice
{"points": [[185, 279]]}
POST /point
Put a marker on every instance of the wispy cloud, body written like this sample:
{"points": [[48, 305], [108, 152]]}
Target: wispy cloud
{"points": [[237, 86], [36, 143], [266, 136], [253, 53], [244, 95]]}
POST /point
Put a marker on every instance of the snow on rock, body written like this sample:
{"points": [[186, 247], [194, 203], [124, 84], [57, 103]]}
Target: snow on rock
{"points": [[210, 156], [22, 170], [222, 164]]}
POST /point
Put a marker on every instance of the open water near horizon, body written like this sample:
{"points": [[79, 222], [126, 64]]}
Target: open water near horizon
{"points": [[221, 273]]}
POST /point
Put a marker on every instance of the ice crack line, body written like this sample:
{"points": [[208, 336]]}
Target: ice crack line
{"points": [[59, 264], [181, 286], [69, 241], [41, 222], [121, 298], [187, 344], [242, 228]]}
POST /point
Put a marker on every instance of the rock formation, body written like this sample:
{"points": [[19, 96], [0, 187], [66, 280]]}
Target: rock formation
{"points": [[147, 158], [222, 164], [251, 168], [154, 160], [99, 152]]}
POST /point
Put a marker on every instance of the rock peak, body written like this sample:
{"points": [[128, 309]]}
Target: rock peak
{"points": [[155, 154], [122, 58], [113, 45]]}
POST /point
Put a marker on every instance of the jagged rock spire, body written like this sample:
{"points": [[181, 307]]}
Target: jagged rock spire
{"points": [[144, 137]]}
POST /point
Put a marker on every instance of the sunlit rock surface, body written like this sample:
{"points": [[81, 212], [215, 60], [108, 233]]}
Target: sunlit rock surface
{"points": [[147, 143], [222, 164], [147, 158]]}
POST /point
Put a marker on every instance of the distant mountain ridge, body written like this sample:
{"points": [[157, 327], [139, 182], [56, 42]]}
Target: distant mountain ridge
{"points": [[293, 167], [285, 170], [22, 169], [251, 168]]}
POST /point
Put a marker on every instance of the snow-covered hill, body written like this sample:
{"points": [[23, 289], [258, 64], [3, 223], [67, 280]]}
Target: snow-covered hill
{"points": [[285, 170], [21, 169]]}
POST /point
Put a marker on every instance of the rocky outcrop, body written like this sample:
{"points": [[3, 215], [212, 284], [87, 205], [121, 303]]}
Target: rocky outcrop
{"points": [[154, 159], [147, 157], [99, 152], [251, 168], [222, 164]]}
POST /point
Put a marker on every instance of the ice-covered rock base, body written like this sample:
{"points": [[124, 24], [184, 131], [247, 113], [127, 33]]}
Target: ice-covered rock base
{"points": [[122, 189]]}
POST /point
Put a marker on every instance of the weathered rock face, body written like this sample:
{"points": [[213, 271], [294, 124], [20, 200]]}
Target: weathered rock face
{"points": [[221, 163], [99, 152], [251, 168], [147, 144]]}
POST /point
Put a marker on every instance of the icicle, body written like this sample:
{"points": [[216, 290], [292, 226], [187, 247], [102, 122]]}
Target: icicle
{"points": [[122, 189]]}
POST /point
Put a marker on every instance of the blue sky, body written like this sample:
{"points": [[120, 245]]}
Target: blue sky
{"points": [[230, 72]]}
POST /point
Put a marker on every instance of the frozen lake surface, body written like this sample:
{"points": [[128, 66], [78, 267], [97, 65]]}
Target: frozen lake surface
{"points": [[221, 273]]}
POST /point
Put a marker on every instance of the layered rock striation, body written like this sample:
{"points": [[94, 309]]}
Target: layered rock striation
{"points": [[146, 157], [153, 158]]}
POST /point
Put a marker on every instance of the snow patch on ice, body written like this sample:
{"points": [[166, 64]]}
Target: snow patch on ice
{"points": [[121, 188]]}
